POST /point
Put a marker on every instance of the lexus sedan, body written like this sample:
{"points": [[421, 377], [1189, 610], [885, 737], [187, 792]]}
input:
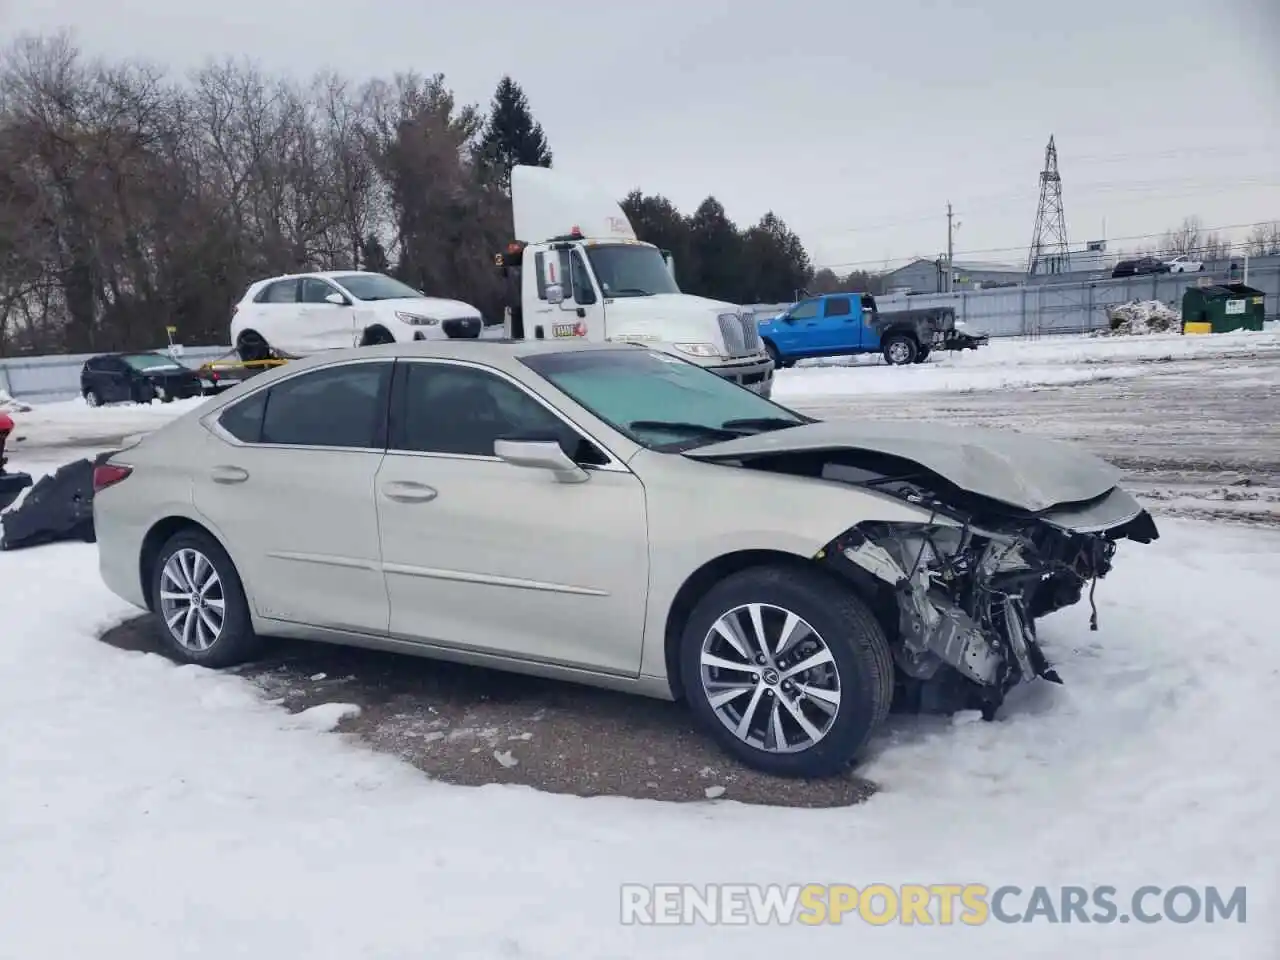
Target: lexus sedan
{"points": [[613, 515]]}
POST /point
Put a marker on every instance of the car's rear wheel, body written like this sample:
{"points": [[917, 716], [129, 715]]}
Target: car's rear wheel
{"points": [[92, 397], [250, 347], [787, 669], [899, 349], [198, 596]]}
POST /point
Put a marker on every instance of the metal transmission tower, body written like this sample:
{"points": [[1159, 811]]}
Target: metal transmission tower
{"points": [[1049, 253]]}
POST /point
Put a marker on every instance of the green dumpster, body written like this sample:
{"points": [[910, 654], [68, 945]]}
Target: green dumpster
{"points": [[1222, 307]]}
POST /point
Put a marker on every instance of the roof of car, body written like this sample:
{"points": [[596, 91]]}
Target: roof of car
{"points": [[491, 350], [326, 274]]}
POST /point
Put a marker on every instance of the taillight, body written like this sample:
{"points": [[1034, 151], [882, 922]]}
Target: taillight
{"points": [[108, 475]]}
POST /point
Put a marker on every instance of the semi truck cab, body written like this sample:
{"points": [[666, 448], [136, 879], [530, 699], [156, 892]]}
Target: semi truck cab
{"points": [[577, 269]]}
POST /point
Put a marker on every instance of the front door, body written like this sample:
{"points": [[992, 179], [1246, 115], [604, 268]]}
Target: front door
{"points": [[795, 334], [483, 555], [288, 479], [323, 325]]}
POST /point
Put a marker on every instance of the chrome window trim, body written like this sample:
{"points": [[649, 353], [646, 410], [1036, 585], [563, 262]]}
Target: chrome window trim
{"points": [[211, 420]]}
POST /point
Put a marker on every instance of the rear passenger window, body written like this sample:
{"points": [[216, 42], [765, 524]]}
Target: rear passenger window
{"points": [[243, 420], [341, 406], [282, 291], [839, 307]]}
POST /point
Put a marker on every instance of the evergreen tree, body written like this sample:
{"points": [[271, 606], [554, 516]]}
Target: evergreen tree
{"points": [[511, 135]]}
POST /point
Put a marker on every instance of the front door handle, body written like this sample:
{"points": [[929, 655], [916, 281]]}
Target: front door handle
{"points": [[406, 491], [230, 475]]}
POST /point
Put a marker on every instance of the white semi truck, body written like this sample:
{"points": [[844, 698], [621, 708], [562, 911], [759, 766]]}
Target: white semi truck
{"points": [[588, 276]]}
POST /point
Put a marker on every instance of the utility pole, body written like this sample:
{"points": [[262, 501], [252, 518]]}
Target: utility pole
{"points": [[951, 274]]}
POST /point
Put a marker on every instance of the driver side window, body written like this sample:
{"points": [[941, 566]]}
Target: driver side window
{"points": [[805, 311], [583, 291], [315, 290], [463, 411]]}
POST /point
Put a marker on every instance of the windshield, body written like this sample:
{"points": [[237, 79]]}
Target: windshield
{"points": [[151, 361], [376, 286], [630, 270], [660, 401]]}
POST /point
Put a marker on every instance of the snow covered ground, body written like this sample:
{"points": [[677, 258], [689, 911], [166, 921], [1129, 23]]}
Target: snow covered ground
{"points": [[1009, 364], [161, 811], [164, 812]]}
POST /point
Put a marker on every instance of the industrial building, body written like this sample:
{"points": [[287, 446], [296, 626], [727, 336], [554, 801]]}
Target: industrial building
{"points": [[930, 276]]}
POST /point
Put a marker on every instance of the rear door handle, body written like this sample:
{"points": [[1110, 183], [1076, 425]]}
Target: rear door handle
{"points": [[230, 475], [406, 491]]}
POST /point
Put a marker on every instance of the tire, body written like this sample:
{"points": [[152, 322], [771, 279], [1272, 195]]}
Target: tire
{"points": [[92, 398], [376, 336], [770, 349], [234, 641], [923, 355], [250, 347], [899, 349], [859, 659]]}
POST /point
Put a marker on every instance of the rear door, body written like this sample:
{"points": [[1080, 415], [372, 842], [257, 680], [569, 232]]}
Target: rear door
{"points": [[116, 379], [324, 325], [276, 318], [838, 329], [287, 480]]}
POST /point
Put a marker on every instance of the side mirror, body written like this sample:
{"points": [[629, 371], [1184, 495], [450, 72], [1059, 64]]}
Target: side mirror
{"points": [[541, 455], [337, 299], [555, 293]]}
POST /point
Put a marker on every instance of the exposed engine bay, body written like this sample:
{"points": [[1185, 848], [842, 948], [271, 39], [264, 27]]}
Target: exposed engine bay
{"points": [[960, 595]]}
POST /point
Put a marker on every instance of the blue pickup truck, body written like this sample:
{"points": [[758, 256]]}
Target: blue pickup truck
{"points": [[845, 324]]}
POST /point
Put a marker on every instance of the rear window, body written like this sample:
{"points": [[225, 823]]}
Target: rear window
{"points": [[243, 420]]}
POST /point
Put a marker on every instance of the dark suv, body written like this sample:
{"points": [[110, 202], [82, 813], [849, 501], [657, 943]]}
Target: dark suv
{"points": [[137, 378], [1132, 268]]}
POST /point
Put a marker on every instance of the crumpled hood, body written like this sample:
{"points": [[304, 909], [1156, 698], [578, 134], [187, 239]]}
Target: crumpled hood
{"points": [[1023, 471]]}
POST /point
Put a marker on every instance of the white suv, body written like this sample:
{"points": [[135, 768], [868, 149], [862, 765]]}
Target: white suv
{"points": [[301, 314]]}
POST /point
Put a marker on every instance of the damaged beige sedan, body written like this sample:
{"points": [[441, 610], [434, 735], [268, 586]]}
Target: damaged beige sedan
{"points": [[613, 515]]}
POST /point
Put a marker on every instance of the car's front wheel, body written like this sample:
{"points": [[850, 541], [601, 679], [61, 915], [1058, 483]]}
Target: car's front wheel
{"points": [[200, 600], [787, 669]]}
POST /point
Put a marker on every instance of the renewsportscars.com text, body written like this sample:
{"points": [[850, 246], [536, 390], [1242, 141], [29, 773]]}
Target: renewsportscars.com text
{"points": [[965, 904]]}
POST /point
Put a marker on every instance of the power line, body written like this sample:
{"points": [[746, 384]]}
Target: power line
{"points": [[960, 254], [1079, 194]]}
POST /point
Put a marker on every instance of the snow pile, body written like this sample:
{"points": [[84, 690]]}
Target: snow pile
{"points": [[9, 405], [169, 811], [1140, 318], [72, 421]]}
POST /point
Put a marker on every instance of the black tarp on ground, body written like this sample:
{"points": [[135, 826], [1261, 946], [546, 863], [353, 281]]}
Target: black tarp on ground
{"points": [[12, 484], [59, 507]]}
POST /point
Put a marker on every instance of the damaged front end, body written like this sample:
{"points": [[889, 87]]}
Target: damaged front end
{"points": [[961, 596]]}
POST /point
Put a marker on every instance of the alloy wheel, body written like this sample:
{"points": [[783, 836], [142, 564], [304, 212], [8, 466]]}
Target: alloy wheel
{"points": [[770, 678], [192, 601], [899, 351]]}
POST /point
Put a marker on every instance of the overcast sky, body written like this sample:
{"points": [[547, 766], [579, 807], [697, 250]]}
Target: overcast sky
{"points": [[855, 122]]}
